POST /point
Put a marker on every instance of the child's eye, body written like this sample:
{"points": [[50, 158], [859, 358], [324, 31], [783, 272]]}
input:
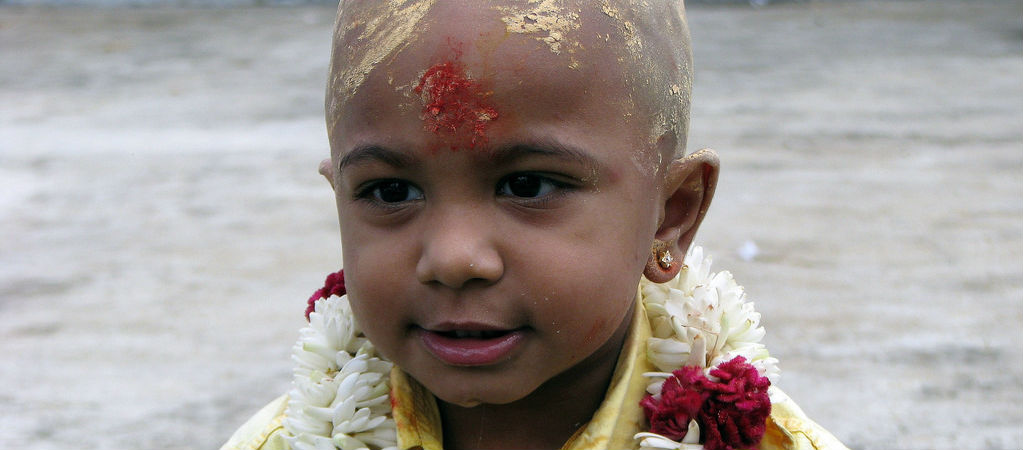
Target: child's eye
{"points": [[391, 191], [527, 185]]}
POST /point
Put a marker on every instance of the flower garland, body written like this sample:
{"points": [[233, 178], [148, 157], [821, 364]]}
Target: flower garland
{"points": [[712, 388], [341, 392], [715, 373]]}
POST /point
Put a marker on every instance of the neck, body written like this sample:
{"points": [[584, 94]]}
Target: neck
{"points": [[546, 418]]}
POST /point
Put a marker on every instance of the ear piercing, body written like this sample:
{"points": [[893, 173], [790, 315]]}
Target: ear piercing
{"points": [[662, 255], [664, 259]]}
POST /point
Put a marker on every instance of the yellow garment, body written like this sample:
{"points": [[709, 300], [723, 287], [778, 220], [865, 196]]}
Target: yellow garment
{"points": [[611, 428]]}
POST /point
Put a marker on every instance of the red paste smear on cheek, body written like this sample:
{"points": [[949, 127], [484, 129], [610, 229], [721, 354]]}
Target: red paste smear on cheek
{"points": [[456, 107]]}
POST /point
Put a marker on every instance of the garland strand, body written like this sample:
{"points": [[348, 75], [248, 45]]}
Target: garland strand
{"points": [[711, 392]]}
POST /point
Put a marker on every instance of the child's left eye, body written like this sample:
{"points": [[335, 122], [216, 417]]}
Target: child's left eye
{"points": [[527, 185]]}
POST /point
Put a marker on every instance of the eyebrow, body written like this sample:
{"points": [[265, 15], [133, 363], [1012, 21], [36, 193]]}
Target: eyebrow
{"points": [[546, 147], [375, 153], [541, 147]]}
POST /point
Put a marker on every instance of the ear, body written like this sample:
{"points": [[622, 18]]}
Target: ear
{"points": [[688, 187], [327, 170]]}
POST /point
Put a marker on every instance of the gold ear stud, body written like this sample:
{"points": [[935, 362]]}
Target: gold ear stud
{"points": [[664, 259]]}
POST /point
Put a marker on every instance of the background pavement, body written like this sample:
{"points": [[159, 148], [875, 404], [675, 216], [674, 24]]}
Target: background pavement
{"points": [[162, 221]]}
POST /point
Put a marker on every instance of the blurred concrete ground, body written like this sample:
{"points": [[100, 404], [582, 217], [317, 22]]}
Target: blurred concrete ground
{"points": [[162, 221]]}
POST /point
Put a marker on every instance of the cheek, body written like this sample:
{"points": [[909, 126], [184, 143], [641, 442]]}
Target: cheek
{"points": [[604, 277], [616, 244], [599, 328], [376, 283], [589, 293], [370, 296], [373, 256], [587, 320], [379, 313]]}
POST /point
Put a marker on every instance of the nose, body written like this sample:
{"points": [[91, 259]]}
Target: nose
{"points": [[459, 248]]}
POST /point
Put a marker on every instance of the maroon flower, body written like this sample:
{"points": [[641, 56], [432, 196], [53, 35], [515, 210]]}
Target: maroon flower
{"points": [[735, 415], [732, 412], [682, 396], [334, 285]]}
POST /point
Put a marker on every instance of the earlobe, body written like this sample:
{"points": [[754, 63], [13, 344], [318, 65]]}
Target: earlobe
{"points": [[689, 187], [662, 265], [327, 170]]}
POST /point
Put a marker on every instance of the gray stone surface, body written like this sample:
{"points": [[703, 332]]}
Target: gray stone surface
{"points": [[234, 3], [162, 222]]}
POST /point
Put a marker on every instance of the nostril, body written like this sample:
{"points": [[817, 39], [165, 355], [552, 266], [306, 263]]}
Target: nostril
{"points": [[452, 269]]}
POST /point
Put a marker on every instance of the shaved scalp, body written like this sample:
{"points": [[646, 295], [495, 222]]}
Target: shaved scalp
{"points": [[653, 37], [648, 40]]}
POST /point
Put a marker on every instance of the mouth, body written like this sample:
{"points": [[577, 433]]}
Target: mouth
{"points": [[471, 347], [473, 334]]}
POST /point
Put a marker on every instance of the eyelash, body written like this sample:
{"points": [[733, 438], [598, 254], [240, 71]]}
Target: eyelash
{"points": [[371, 192], [548, 188]]}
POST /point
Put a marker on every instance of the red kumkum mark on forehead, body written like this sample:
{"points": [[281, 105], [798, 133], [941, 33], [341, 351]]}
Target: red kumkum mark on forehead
{"points": [[455, 105]]}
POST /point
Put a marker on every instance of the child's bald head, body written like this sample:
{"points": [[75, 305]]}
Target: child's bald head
{"points": [[639, 47], [564, 119]]}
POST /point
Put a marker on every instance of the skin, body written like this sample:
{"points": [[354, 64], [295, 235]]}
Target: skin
{"points": [[543, 230]]}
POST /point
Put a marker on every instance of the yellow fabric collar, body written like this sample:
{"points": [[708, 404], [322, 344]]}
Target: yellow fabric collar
{"points": [[611, 428]]}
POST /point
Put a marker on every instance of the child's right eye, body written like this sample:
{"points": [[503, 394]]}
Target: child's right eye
{"points": [[390, 191]]}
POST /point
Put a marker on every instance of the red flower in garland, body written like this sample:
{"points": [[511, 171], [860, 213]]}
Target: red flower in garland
{"points": [[735, 415], [731, 412], [682, 396], [334, 285]]}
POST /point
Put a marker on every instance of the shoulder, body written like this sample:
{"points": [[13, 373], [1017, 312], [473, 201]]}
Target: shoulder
{"points": [[263, 431], [788, 428]]}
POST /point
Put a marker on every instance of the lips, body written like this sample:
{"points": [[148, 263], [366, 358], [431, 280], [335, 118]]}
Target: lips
{"points": [[473, 334], [471, 346]]}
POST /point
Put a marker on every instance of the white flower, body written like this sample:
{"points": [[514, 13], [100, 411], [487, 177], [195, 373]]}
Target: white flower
{"points": [[699, 319], [339, 395], [703, 319], [653, 441]]}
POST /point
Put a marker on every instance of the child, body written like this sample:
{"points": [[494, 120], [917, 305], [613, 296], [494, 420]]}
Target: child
{"points": [[505, 174]]}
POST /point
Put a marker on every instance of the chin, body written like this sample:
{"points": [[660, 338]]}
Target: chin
{"points": [[467, 404], [479, 394]]}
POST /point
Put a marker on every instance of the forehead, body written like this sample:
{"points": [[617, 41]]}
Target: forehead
{"points": [[532, 62], [369, 33]]}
